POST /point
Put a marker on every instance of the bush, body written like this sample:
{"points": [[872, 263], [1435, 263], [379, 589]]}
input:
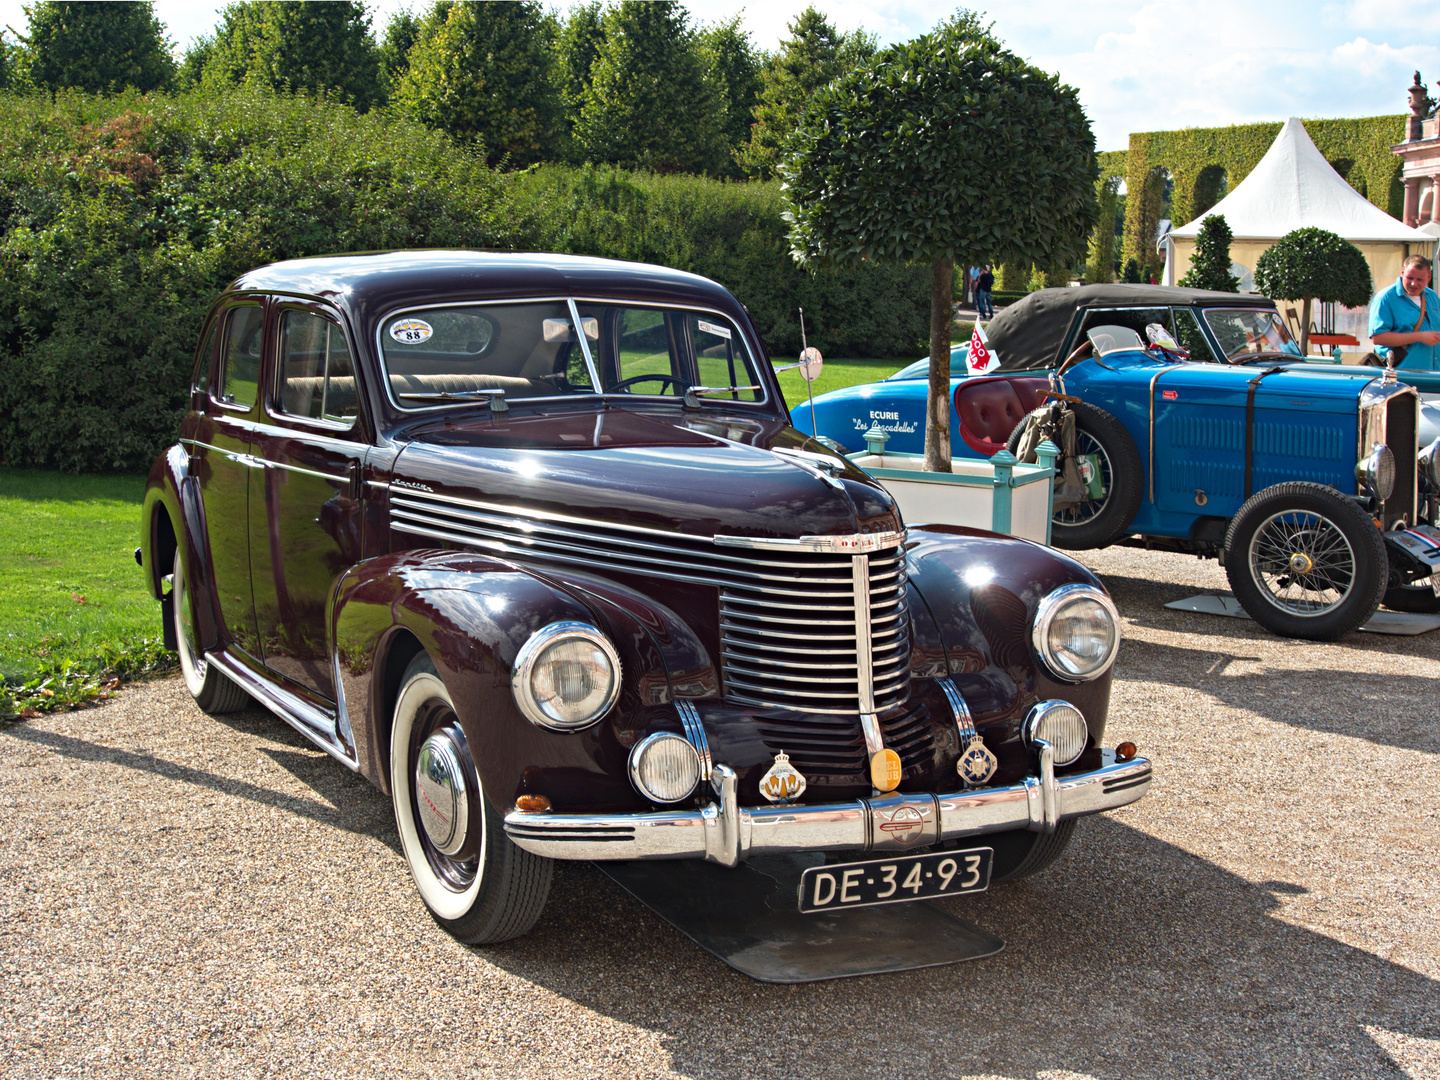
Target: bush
{"points": [[122, 218], [734, 234], [1210, 265]]}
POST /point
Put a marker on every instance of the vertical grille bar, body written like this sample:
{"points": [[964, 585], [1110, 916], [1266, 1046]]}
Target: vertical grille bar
{"points": [[864, 656]]}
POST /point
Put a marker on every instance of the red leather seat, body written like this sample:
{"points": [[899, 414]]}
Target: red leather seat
{"points": [[990, 408]]}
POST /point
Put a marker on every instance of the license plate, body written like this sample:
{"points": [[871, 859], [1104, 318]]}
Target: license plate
{"points": [[893, 881]]}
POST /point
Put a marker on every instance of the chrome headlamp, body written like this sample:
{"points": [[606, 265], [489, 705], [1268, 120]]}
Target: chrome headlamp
{"points": [[1077, 633], [566, 676], [1061, 725], [664, 767], [1376, 471], [1430, 467]]}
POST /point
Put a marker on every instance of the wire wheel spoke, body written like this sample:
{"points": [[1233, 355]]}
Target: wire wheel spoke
{"points": [[1302, 562]]}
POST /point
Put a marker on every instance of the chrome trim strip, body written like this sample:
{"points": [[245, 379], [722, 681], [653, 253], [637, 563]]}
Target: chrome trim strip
{"points": [[314, 724], [864, 659], [1151, 466], [579, 328], [695, 732], [726, 833], [848, 545], [874, 736], [269, 464], [964, 721]]}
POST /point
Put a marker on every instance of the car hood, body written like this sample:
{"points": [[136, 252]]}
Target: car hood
{"points": [[703, 476]]}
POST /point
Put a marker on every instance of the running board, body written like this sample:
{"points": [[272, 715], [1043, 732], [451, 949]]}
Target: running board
{"points": [[317, 725]]}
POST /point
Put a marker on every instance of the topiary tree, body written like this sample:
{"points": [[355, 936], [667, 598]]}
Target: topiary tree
{"points": [[948, 148], [98, 48], [1210, 264], [1131, 274], [1314, 264], [484, 74]]}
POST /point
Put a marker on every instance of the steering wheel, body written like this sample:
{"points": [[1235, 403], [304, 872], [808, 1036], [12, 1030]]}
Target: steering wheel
{"points": [[625, 384]]}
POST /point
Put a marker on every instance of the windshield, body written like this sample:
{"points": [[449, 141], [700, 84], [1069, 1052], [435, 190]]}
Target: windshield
{"points": [[1109, 339], [1250, 330], [532, 350]]}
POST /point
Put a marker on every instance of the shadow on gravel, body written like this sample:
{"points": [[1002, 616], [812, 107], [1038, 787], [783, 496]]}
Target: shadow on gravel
{"points": [[1131, 958], [1392, 710], [345, 807]]}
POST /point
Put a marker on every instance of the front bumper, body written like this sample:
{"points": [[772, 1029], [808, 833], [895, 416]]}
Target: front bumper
{"points": [[727, 833]]}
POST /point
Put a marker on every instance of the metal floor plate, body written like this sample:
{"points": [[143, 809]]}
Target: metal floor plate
{"points": [[749, 918], [1406, 624]]}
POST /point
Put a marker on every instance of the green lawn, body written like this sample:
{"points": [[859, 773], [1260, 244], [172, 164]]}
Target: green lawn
{"points": [[73, 607], [836, 375]]}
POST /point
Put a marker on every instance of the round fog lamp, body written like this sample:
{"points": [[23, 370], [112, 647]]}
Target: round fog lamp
{"points": [[1377, 472], [1061, 725], [664, 767], [1077, 633], [567, 675]]}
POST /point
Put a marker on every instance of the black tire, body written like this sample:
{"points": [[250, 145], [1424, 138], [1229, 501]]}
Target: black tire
{"points": [[1022, 854], [1305, 562], [1419, 598], [211, 688], [487, 889], [1098, 522]]}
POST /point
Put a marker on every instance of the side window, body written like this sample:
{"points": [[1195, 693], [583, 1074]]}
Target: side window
{"points": [[201, 382], [1132, 318], [721, 359], [240, 356], [646, 354], [317, 379], [1192, 338]]}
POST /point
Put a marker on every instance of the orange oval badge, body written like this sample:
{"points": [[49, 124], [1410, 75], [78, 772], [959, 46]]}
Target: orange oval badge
{"points": [[885, 770]]}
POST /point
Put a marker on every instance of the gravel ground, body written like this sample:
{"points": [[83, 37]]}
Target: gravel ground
{"points": [[182, 896]]}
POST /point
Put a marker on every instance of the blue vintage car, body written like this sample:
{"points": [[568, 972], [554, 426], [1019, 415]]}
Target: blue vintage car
{"points": [[1309, 483]]}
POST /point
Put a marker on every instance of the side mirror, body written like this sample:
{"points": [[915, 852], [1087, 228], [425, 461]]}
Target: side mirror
{"points": [[810, 365]]}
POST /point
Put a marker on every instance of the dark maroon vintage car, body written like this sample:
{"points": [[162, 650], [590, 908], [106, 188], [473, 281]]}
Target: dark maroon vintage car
{"points": [[529, 542]]}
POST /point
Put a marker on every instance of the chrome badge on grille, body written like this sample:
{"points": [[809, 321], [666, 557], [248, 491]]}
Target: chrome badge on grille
{"points": [[783, 782], [977, 764]]}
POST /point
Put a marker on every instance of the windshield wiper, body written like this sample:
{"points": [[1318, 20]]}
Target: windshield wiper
{"points": [[494, 398], [693, 394]]}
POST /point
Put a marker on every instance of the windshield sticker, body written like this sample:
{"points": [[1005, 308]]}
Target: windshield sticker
{"points": [[711, 328], [411, 331]]}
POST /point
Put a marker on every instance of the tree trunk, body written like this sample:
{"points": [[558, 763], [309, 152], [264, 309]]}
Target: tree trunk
{"points": [[1305, 328], [937, 406]]}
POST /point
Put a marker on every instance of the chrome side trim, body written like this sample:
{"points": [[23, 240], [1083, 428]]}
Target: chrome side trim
{"points": [[964, 721], [579, 328], [316, 725], [695, 732], [1151, 467], [726, 833]]}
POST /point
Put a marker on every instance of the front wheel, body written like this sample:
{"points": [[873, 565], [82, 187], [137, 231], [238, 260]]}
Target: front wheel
{"points": [[1305, 562], [477, 884], [211, 689], [1418, 597], [1021, 853]]}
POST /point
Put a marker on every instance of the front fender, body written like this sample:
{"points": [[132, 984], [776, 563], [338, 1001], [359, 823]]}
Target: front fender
{"points": [[472, 615], [982, 591]]}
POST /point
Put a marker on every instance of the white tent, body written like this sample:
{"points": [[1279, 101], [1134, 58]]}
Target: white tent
{"points": [[1294, 187]]}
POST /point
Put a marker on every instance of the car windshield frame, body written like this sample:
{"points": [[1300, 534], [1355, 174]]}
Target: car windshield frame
{"points": [[1275, 320], [588, 395]]}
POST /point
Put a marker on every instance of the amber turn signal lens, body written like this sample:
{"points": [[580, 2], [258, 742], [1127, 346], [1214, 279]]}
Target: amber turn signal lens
{"points": [[1125, 751], [532, 804]]}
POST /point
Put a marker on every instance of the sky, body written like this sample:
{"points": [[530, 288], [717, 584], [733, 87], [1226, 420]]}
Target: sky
{"points": [[1139, 65]]}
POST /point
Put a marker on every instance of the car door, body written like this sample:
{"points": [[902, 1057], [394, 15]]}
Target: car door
{"points": [[306, 512], [222, 463]]}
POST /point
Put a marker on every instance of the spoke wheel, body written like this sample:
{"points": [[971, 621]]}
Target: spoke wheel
{"points": [[1304, 561], [211, 689], [476, 883], [1419, 597]]}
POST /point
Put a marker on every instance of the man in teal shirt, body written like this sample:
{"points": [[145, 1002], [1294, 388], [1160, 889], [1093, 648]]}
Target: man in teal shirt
{"points": [[1408, 314]]}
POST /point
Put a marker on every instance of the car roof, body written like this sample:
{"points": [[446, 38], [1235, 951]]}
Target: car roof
{"points": [[371, 283], [1030, 333]]}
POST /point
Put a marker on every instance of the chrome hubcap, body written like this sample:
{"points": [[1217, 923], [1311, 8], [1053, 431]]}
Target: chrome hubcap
{"points": [[1300, 563], [440, 794]]}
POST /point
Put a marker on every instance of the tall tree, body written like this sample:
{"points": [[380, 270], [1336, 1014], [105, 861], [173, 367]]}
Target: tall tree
{"points": [[485, 74], [401, 33], [576, 47], [298, 45], [99, 48], [813, 55], [1314, 264], [948, 148], [1210, 265], [733, 67], [649, 104], [1100, 268]]}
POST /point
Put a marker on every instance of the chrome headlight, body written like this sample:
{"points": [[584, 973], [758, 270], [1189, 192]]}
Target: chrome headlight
{"points": [[1061, 725], [664, 767], [1430, 466], [1376, 471], [566, 676], [1077, 633]]}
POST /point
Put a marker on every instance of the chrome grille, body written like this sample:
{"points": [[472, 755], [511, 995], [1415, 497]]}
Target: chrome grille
{"points": [[788, 614]]}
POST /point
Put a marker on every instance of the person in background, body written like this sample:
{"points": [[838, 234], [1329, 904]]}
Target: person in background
{"points": [[983, 307], [1405, 318]]}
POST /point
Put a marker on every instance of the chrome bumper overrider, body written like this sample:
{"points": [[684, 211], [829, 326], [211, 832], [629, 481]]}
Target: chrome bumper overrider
{"points": [[727, 833]]}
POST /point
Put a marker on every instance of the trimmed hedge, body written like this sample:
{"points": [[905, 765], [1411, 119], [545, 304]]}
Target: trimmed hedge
{"points": [[733, 233], [122, 218]]}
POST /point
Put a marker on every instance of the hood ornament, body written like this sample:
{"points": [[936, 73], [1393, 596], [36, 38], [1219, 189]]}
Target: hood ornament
{"points": [[977, 764], [782, 783]]}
